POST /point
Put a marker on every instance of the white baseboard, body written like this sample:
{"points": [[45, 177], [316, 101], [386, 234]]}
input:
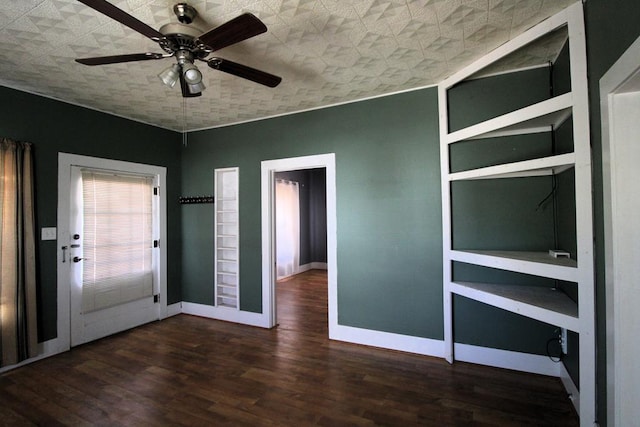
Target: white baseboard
{"points": [[58, 345], [226, 314], [525, 362], [311, 266], [307, 267], [174, 309], [463, 352], [388, 340], [318, 266]]}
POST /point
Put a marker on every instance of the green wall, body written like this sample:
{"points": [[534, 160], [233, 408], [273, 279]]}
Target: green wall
{"points": [[612, 26], [388, 212], [53, 127], [388, 206]]}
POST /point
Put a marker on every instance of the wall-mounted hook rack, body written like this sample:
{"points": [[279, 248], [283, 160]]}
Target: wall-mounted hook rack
{"points": [[196, 200]]}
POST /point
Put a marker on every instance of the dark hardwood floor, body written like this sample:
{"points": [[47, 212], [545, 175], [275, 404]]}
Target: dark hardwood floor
{"points": [[193, 371]]}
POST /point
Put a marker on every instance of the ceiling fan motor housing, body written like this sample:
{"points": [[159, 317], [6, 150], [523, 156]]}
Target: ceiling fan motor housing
{"points": [[185, 13]]}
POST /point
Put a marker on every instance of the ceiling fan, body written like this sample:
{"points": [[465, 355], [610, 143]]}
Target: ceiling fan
{"points": [[187, 44]]}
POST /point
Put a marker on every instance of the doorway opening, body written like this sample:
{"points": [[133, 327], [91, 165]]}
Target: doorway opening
{"points": [[301, 249], [270, 169]]}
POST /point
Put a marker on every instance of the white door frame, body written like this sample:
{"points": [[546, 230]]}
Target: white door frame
{"points": [[268, 170], [65, 163], [621, 81]]}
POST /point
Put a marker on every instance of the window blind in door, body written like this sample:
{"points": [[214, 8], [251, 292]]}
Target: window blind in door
{"points": [[117, 239]]}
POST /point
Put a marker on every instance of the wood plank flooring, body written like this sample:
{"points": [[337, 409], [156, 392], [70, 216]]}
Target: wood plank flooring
{"points": [[192, 371]]}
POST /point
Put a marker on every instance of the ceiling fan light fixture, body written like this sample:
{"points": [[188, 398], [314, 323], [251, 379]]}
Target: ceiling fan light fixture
{"points": [[196, 87], [191, 73], [170, 76]]}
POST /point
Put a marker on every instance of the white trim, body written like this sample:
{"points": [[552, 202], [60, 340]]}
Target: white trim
{"points": [[613, 83], [549, 25], [306, 267], [318, 266], [174, 309], [388, 340], [517, 361], [76, 104], [505, 359], [268, 170], [322, 107], [226, 314], [241, 122], [513, 70], [572, 390], [540, 117]]}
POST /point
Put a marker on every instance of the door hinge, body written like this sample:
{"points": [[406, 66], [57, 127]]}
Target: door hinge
{"points": [[156, 298], [156, 243], [156, 190]]}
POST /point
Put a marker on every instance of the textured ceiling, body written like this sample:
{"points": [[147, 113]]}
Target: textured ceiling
{"points": [[326, 51]]}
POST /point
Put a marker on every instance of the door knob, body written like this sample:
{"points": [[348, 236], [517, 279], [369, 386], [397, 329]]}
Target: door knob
{"points": [[77, 259]]}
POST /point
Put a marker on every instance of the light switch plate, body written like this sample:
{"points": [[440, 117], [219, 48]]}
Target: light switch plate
{"points": [[49, 233]]}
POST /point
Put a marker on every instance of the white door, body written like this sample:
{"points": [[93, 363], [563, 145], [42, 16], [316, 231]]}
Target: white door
{"points": [[111, 258]]}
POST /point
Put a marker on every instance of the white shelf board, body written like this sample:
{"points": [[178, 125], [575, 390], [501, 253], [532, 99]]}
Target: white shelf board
{"points": [[226, 273], [534, 263], [540, 303], [536, 167], [226, 305], [545, 27], [540, 117]]}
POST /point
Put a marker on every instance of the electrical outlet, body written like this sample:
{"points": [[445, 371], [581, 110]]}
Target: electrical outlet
{"points": [[563, 340], [49, 233]]}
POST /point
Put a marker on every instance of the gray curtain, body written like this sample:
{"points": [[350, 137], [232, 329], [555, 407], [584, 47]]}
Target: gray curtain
{"points": [[18, 322]]}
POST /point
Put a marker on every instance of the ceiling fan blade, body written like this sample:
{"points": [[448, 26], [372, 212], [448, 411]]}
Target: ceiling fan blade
{"points": [[245, 72], [238, 29], [123, 17], [102, 60], [186, 93]]}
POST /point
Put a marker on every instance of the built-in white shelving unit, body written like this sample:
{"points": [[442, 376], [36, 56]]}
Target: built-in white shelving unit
{"points": [[549, 305], [227, 241]]}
